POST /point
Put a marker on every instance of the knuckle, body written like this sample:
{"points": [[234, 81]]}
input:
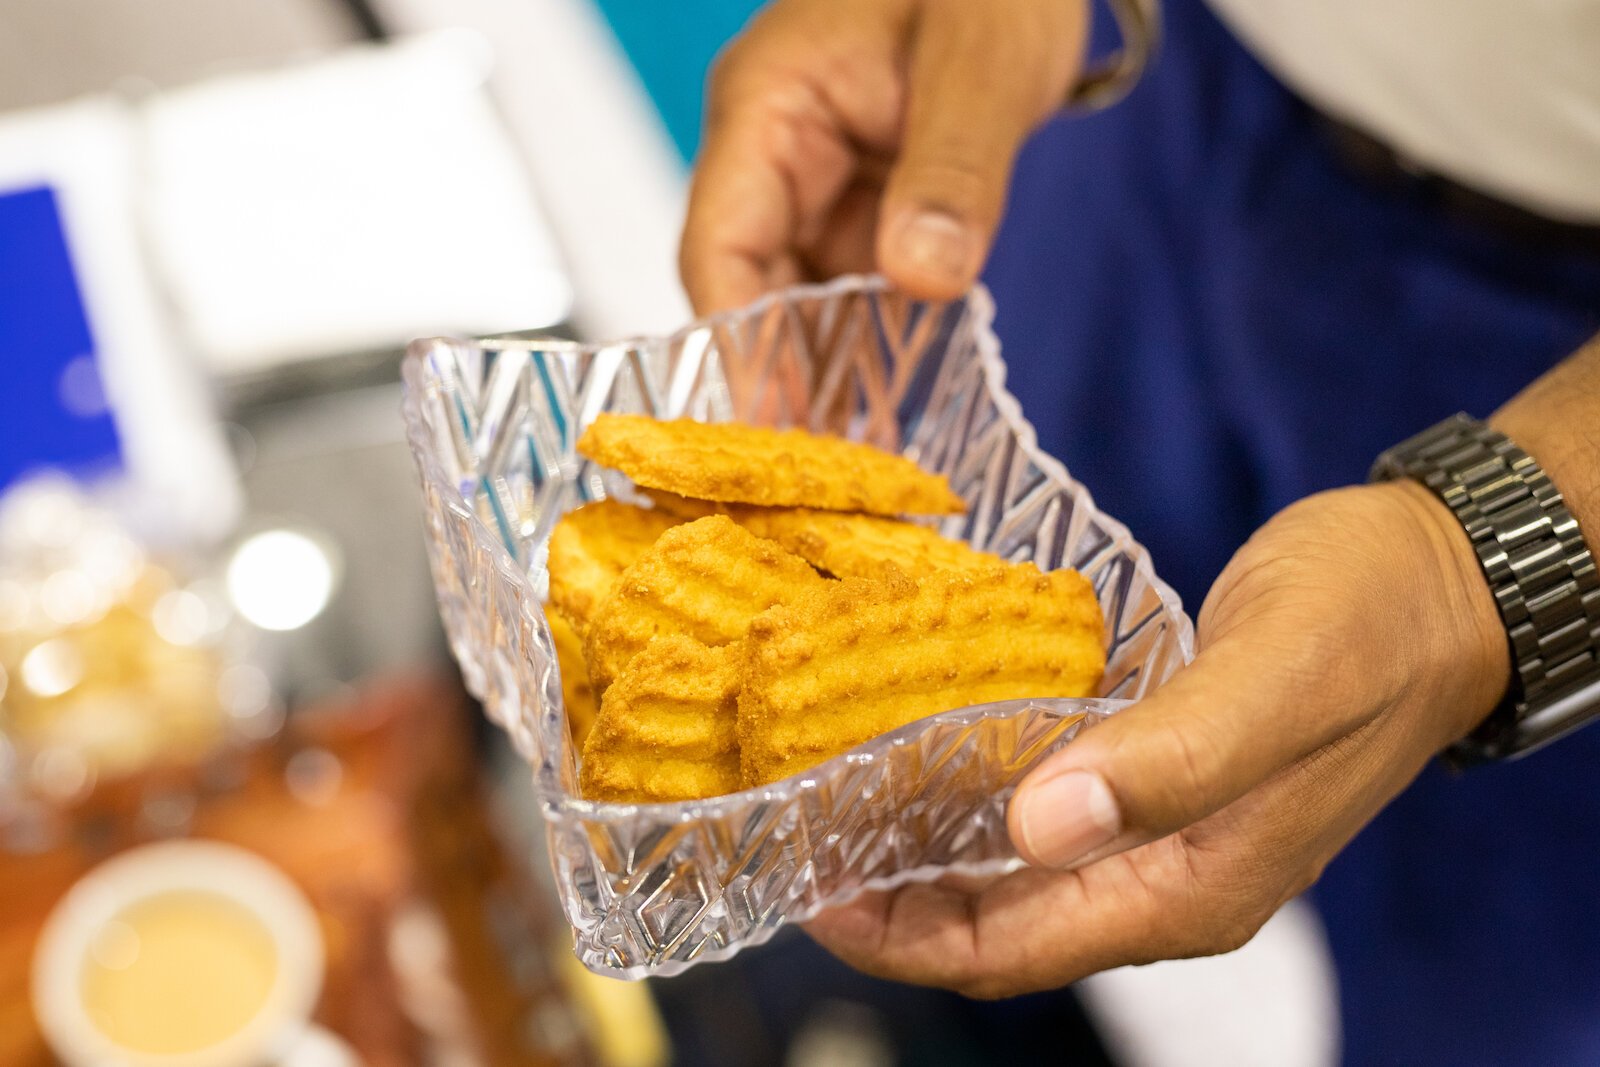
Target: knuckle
{"points": [[726, 60], [1195, 756], [987, 988], [725, 75], [1189, 755], [964, 183], [1234, 932], [977, 980], [1226, 926], [1301, 878], [1224, 909], [758, 49], [1253, 906]]}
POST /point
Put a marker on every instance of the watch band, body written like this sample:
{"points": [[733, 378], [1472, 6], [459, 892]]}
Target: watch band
{"points": [[1539, 569]]}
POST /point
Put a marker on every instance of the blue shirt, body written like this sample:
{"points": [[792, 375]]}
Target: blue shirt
{"points": [[1207, 317]]}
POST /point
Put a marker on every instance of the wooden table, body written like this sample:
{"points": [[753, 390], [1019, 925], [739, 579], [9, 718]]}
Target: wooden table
{"points": [[436, 941]]}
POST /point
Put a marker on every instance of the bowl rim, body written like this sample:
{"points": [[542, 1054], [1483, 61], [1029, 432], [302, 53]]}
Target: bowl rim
{"points": [[553, 799]]}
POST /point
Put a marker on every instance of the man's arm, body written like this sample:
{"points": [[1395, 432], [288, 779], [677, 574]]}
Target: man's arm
{"points": [[1557, 421], [1348, 642]]}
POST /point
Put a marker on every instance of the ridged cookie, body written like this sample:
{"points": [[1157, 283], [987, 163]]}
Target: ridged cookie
{"points": [[590, 547], [861, 657], [733, 462], [705, 579], [668, 726]]}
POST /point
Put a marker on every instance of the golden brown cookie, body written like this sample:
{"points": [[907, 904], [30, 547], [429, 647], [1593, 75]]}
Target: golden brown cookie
{"points": [[590, 547], [668, 726], [577, 695], [861, 657], [705, 579], [848, 545], [736, 463]]}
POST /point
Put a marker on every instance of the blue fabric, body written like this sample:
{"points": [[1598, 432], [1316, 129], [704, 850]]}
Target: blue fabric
{"points": [[1208, 317], [672, 53]]}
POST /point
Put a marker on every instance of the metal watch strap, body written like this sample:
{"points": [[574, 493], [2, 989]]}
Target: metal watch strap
{"points": [[1540, 570]]}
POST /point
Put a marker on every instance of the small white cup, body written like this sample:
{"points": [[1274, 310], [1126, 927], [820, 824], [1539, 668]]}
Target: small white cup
{"points": [[271, 1036]]}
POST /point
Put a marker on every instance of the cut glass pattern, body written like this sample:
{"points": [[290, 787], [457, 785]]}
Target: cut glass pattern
{"points": [[653, 889]]}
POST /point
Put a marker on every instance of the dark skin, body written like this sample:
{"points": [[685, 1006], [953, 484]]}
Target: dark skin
{"points": [[835, 127], [1347, 643]]}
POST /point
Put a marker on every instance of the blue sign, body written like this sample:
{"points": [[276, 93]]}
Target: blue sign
{"points": [[53, 410]]}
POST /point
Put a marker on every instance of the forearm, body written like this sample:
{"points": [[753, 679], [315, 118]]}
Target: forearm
{"points": [[1348, 642], [1556, 420]]}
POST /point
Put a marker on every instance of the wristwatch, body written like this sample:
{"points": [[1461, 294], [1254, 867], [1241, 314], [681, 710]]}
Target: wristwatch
{"points": [[1539, 569]]}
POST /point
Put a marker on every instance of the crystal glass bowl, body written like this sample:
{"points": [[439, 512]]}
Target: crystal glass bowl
{"points": [[651, 889]]}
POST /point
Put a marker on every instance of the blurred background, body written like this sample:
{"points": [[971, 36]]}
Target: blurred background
{"points": [[220, 222]]}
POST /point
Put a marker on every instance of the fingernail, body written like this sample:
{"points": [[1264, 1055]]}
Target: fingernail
{"points": [[938, 244], [1067, 817]]}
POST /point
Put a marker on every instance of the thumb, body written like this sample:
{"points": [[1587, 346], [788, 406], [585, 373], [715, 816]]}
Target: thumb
{"points": [[1209, 735], [982, 75]]}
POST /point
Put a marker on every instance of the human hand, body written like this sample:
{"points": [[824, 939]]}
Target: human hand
{"points": [[843, 135], [1349, 641]]}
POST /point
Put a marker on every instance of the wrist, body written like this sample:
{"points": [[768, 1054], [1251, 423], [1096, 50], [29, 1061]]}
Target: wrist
{"points": [[1551, 421], [1541, 574], [1460, 663]]}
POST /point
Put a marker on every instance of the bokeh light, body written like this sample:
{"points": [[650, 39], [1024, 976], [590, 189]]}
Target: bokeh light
{"points": [[280, 579]]}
